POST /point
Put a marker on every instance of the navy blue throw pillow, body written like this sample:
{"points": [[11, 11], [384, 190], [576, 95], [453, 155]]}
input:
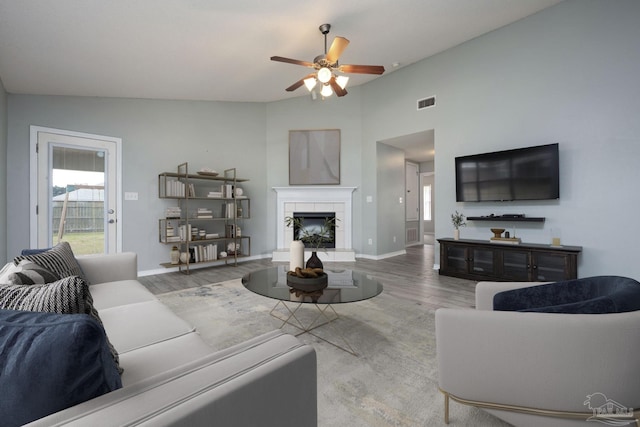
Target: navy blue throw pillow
{"points": [[50, 362], [589, 295]]}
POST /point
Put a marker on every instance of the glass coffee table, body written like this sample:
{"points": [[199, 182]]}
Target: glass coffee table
{"points": [[344, 286]]}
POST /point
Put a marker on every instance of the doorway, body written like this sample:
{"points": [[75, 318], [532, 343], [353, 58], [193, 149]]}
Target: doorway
{"points": [[77, 191], [419, 149]]}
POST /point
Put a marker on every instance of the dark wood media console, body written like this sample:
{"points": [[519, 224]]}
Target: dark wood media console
{"points": [[524, 262]]}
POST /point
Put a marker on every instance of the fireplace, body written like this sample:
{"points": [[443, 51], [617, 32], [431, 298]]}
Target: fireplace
{"points": [[312, 224], [323, 199]]}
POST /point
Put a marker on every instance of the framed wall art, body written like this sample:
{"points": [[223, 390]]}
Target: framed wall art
{"points": [[314, 157]]}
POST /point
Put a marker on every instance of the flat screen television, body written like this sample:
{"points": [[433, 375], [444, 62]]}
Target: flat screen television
{"points": [[530, 173]]}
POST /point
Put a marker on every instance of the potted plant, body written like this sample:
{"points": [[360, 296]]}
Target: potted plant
{"points": [[313, 238], [458, 221]]}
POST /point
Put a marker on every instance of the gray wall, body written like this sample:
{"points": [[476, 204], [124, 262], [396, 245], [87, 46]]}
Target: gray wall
{"points": [[391, 180], [567, 74], [156, 137], [3, 174], [304, 113]]}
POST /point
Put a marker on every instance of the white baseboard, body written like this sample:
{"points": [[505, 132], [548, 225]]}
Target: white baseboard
{"points": [[383, 256]]}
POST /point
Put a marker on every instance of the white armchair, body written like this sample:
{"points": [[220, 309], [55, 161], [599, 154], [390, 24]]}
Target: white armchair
{"points": [[537, 369]]}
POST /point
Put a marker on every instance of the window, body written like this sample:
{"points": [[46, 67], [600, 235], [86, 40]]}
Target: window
{"points": [[426, 197]]}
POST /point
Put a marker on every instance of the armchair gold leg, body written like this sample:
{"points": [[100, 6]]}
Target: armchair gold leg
{"points": [[446, 408]]}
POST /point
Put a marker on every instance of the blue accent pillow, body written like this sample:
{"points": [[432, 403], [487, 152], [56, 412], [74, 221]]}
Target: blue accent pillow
{"points": [[33, 251], [50, 362], [590, 295]]}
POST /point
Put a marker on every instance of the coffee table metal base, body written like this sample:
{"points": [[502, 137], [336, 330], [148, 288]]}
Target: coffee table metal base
{"points": [[321, 319]]}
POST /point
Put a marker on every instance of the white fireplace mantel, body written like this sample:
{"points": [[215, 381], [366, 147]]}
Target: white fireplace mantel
{"points": [[310, 199]]}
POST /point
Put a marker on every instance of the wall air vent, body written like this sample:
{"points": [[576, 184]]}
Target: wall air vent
{"points": [[426, 102]]}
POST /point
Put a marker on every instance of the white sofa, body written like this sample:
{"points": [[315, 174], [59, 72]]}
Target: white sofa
{"points": [[172, 378], [537, 369]]}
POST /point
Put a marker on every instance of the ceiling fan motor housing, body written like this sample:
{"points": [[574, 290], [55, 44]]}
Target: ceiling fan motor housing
{"points": [[324, 28]]}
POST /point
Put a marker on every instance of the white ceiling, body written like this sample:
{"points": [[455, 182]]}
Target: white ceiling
{"points": [[418, 147], [220, 49]]}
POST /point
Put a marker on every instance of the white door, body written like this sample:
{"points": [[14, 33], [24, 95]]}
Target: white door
{"points": [[413, 193], [77, 195]]}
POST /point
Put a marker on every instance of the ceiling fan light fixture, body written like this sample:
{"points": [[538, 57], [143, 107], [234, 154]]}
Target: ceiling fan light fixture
{"points": [[310, 83], [342, 81], [326, 90], [324, 74]]}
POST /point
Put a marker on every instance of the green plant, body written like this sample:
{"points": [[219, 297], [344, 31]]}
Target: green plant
{"points": [[458, 220], [313, 237]]}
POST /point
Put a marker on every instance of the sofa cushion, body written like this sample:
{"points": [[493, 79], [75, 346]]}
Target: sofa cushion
{"points": [[154, 359], [122, 292], [66, 296], [591, 295], [49, 362], [138, 325], [29, 273], [59, 259]]}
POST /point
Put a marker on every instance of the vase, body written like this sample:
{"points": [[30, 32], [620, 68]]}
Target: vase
{"points": [[184, 257], [175, 255], [314, 261], [296, 255], [456, 234]]}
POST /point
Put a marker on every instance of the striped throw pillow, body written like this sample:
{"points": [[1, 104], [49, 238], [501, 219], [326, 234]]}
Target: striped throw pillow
{"points": [[59, 259], [66, 296], [30, 273]]}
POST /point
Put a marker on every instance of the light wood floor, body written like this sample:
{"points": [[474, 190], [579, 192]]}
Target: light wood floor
{"points": [[409, 276]]}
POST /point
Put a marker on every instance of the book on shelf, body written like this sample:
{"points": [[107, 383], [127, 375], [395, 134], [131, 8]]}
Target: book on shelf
{"points": [[184, 232], [203, 253], [174, 188], [215, 194], [506, 240], [229, 210], [204, 213], [227, 191]]}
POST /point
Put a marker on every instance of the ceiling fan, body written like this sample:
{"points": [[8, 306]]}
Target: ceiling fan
{"points": [[327, 66]]}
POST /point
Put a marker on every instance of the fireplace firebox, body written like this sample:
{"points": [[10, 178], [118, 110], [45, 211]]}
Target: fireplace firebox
{"points": [[312, 224]]}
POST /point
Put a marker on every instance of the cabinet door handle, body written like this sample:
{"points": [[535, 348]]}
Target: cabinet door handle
{"points": [[535, 267]]}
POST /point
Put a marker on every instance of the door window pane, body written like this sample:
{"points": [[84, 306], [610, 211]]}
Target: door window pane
{"points": [[426, 197], [78, 199]]}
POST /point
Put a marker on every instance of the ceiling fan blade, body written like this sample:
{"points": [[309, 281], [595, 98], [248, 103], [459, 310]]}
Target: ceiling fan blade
{"points": [[299, 83], [292, 61], [362, 69], [336, 87], [338, 46]]}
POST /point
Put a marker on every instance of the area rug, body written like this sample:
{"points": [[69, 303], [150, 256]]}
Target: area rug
{"points": [[392, 381]]}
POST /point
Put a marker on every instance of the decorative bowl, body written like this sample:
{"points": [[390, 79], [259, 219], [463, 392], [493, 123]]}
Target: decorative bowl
{"points": [[308, 284], [497, 232]]}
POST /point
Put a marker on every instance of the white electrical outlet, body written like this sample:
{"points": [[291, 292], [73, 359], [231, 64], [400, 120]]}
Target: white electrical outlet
{"points": [[369, 199], [130, 195], [371, 241], [394, 239]]}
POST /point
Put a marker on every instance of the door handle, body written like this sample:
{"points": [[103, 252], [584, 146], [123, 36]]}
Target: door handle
{"points": [[110, 211], [111, 221]]}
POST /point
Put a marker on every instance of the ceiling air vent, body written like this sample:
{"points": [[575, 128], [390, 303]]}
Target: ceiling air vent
{"points": [[426, 103]]}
